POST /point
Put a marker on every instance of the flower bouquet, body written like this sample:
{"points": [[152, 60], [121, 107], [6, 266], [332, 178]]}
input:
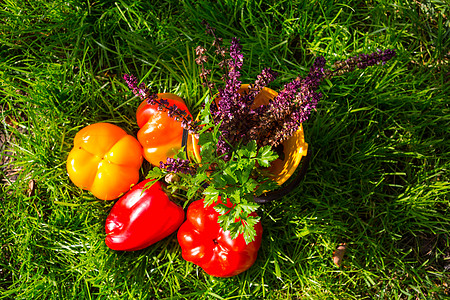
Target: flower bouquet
{"points": [[237, 136]]}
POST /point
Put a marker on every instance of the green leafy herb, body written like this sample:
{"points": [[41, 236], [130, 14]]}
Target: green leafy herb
{"points": [[238, 179]]}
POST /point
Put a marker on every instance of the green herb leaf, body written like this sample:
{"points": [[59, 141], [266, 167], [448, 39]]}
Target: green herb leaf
{"points": [[155, 173], [230, 172], [219, 180], [249, 228], [211, 195], [266, 156], [249, 207], [249, 150], [222, 209]]}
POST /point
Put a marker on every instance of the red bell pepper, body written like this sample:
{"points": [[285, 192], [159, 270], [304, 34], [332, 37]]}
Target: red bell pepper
{"points": [[207, 245], [142, 217]]}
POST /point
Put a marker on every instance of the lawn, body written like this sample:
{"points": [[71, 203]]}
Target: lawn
{"points": [[378, 179]]}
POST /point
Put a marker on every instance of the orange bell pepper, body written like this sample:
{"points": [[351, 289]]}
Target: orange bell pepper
{"points": [[104, 160], [160, 135]]}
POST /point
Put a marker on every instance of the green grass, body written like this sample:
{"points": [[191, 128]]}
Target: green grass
{"points": [[378, 179]]}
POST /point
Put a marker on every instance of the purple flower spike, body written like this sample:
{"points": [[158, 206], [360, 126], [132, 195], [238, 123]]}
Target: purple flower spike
{"points": [[139, 90], [235, 53], [362, 61], [173, 111], [177, 166]]}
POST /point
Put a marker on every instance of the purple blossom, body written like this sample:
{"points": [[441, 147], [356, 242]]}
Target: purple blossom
{"points": [[229, 92], [268, 124], [139, 90], [292, 106], [362, 61], [267, 76], [173, 111], [177, 165], [235, 53]]}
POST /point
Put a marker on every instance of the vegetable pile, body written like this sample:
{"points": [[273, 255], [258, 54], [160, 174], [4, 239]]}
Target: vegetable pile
{"points": [[105, 160]]}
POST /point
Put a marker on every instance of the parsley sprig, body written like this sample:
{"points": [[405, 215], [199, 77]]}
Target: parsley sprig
{"points": [[238, 179]]}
